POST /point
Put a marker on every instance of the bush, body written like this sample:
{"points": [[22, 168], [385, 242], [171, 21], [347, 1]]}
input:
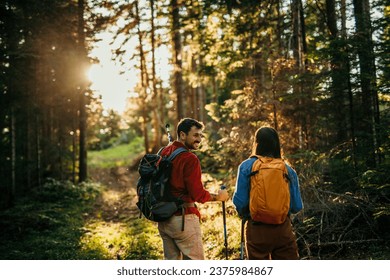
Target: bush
{"points": [[48, 223]]}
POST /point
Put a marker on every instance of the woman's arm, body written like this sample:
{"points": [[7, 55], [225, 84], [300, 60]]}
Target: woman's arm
{"points": [[296, 203], [242, 188]]}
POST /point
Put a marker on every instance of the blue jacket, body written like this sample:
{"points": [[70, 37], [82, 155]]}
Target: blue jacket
{"points": [[241, 194]]}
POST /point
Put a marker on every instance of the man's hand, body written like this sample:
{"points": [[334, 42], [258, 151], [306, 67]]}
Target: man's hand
{"points": [[222, 195]]}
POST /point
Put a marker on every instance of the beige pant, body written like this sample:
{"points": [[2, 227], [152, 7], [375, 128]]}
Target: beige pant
{"points": [[180, 244]]}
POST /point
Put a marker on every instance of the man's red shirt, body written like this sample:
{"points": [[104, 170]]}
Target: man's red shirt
{"points": [[186, 177]]}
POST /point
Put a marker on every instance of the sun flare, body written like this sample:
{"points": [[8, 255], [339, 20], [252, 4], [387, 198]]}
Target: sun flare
{"points": [[113, 83]]}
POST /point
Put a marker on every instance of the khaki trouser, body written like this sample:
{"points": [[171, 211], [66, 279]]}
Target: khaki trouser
{"points": [[180, 244], [276, 242]]}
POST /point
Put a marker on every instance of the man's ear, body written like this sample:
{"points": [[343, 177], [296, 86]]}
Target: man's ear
{"points": [[182, 135]]}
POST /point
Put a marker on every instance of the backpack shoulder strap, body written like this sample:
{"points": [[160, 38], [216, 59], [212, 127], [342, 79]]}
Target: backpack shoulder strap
{"points": [[176, 153], [257, 171], [286, 174], [161, 149], [261, 158]]}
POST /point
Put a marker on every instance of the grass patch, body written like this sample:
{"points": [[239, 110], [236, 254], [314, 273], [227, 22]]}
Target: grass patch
{"points": [[48, 224], [109, 240], [121, 155], [59, 222], [213, 231]]}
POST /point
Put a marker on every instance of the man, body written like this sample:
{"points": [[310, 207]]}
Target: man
{"points": [[179, 242]]}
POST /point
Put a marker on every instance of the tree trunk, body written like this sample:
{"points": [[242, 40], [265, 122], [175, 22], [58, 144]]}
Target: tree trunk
{"points": [[82, 97], [369, 100], [13, 153], [144, 80], [177, 59], [155, 95], [349, 86], [299, 56], [339, 73]]}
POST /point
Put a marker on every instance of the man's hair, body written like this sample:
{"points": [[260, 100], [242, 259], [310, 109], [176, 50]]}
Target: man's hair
{"points": [[266, 142], [186, 124]]}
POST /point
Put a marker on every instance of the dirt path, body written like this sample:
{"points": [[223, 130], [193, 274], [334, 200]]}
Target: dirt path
{"points": [[117, 202]]}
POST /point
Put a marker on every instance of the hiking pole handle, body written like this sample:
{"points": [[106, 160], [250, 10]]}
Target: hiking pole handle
{"points": [[223, 187], [170, 139]]}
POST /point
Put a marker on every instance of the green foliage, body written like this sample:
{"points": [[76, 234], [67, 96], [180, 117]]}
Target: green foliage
{"points": [[134, 240], [48, 224], [346, 213], [144, 241], [104, 129], [241, 115], [121, 155], [376, 183], [53, 190], [213, 231], [58, 222]]}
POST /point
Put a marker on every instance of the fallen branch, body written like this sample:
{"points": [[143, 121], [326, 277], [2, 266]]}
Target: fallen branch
{"points": [[348, 226], [348, 242]]}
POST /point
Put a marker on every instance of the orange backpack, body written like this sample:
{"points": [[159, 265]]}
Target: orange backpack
{"points": [[269, 197]]}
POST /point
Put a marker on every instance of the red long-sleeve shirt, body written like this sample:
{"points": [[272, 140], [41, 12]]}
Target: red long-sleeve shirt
{"points": [[186, 177]]}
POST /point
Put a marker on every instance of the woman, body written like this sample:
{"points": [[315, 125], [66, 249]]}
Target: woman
{"points": [[267, 241]]}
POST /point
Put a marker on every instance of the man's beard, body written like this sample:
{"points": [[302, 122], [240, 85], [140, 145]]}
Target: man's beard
{"points": [[193, 146]]}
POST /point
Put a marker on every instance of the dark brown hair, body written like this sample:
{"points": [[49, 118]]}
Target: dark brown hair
{"points": [[186, 124], [266, 143]]}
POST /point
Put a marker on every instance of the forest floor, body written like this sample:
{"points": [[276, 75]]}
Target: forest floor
{"points": [[95, 220], [114, 224], [118, 200]]}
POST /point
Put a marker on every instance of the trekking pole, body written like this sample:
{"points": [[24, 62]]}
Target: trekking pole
{"points": [[224, 225], [170, 139], [242, 239]]}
